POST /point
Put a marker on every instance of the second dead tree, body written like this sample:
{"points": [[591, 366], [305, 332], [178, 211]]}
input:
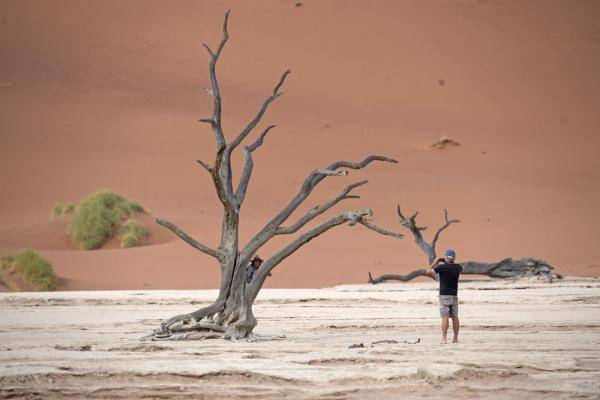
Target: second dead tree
{"points": [[505, 268]]}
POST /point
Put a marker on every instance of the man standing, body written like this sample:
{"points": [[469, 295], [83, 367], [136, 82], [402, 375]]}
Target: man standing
{"points": [[448, 273]]}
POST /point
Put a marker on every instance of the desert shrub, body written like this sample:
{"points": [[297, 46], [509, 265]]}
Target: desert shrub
{"points": [[97, 218], [8, 258], [33, 269], [136, 207], [132, 233], [129, 240], [57, 210], [69, 207], [134, 227]]}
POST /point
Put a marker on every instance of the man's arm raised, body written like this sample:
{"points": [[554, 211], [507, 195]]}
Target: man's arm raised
{"points": [[433, 265]]}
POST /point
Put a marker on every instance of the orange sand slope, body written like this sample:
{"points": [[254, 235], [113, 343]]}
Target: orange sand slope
{"points": [[108, 94]]}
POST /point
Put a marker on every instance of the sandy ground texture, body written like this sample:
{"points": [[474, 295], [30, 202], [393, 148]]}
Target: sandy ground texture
{"points": [[108, 93], [520, 340]]}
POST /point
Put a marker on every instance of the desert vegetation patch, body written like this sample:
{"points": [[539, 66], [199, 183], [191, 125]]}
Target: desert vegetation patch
{"points": [[100, 216], [59, 209], [132, 233], [27, 271]]}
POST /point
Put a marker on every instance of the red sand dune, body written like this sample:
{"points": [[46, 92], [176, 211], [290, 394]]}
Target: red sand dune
{"points": [[108, 94], [53, 235]]}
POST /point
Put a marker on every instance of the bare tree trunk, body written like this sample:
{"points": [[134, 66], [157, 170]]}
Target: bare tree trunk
{"points": [[230, 316], [506, 268], [509, 268]]}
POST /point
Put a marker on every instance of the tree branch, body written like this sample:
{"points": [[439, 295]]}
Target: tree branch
{"points": [[310, 182], [300, 241], [206, 166], [380, 230], [316, 176], [261, 112], [221, 176], [235, 201], [411, 225], [240, 193], [402, 278], [318, 210], [361, 164], [188, 239], [221, 171], [215, 121], [329, 172], [260, 139], [447, 224], [352, 217]]}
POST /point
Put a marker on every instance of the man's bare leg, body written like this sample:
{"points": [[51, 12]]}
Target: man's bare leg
{"points": [[455, 328], [445, 330]]}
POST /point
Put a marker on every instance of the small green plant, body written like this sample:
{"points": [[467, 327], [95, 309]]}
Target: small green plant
{"points": [[136, 207], [31, 268], [97, 218], [134, 227], [129, 240], [69, 207], [59, 209], [132, 233]]}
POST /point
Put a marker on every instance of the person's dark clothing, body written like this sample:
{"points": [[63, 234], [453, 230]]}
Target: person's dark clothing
{"points": [[249, 273], [449, 274]]}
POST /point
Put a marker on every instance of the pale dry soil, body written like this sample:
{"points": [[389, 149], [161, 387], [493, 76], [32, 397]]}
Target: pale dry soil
{"points": [[520, 340]]}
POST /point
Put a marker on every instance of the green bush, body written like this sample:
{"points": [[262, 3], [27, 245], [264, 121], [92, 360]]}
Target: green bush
{"points": [[97, 218], [134, 227], [59, 209], [33, 269], [129, 240], [132, 233]]}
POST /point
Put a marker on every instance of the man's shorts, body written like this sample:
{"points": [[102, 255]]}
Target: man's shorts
{"points": [[448, 306]]}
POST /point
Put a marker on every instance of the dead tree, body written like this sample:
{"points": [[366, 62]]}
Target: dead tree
{"points": [[230, 316], [411, 224], [506, 268]]}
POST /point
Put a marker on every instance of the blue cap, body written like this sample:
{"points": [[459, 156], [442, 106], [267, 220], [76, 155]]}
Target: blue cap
{"points": [[450, 253]]}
